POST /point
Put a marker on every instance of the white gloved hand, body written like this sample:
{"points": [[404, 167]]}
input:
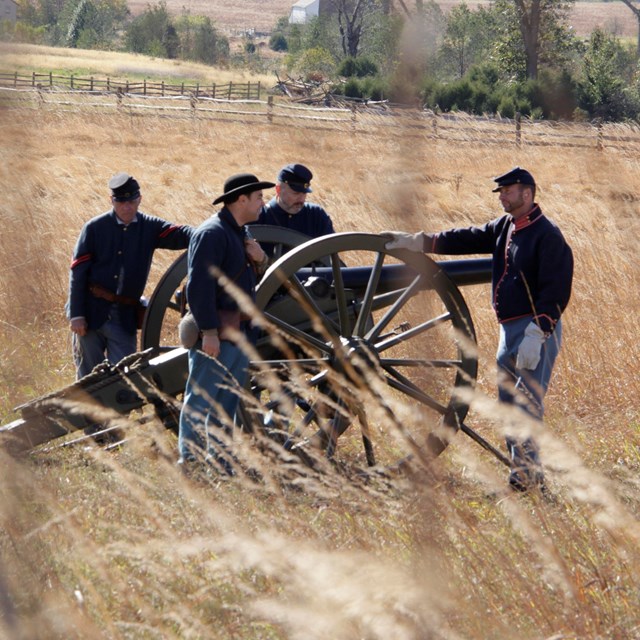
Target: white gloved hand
{"points": [[530, 348], [400, 240]]}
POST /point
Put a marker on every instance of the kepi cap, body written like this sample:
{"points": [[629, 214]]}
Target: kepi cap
{"points": [[297, 176], [124, 187], [514, 176], [240, 184]]}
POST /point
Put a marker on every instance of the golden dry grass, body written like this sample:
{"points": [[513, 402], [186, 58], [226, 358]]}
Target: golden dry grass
{"points": [[119, 545]]}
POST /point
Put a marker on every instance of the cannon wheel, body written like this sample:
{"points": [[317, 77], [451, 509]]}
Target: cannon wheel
{"points": [[160, 324], [419, 340]]}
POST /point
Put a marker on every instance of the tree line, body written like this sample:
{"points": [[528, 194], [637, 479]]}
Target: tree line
{"points": [[508, 57]]}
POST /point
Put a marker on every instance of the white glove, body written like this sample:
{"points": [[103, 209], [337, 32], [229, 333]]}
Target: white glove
{"points": [[530, 348], [400, 240]]}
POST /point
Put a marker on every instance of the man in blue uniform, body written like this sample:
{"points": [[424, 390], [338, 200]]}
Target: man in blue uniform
{"points": [[109, 271], [220, 250], [531, 287], [290, 209]]}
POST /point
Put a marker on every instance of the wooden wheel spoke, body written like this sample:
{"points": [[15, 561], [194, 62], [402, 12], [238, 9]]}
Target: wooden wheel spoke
{"points": [[340, 294], [299, 334], [395, 308], [413, 362], [404, 336], [397, 381], [302, 297], [366, 305]]}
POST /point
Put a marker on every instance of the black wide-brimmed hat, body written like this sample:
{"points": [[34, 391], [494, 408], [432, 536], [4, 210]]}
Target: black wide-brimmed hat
{"points": [[240, 184], [124, 187], [515, 176]]}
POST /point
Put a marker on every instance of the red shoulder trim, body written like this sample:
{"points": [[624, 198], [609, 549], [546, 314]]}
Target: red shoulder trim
{"points": [[170, 230], [80, 260]]}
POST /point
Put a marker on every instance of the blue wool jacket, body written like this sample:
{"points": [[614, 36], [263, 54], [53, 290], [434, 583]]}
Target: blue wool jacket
{"points": [[217, 244], [532, 264], [312, 219], [117, 257]]}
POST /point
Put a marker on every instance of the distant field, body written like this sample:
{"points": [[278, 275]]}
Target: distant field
{"points": [[263, 14]]}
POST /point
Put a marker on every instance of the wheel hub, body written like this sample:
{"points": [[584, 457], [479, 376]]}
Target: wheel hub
{"points": [[356, 358]]}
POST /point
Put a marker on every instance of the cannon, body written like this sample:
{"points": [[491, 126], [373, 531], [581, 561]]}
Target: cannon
{"points": [[339, 314]]}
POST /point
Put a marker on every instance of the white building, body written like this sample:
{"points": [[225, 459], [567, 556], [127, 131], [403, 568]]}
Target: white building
{"points": [[8, 10], [303, 10]]}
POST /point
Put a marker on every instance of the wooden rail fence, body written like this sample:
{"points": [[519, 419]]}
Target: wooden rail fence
{"points": [[354, 118], [51, 82]]}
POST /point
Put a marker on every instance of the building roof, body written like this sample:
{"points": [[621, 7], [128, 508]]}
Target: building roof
{"points": [[303, 4]]}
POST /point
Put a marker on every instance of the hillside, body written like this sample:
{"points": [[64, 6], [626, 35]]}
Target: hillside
{"points": [[261, 15]]}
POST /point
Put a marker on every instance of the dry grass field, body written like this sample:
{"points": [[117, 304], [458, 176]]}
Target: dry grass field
{"points": [[117, 544], [262, 15]]}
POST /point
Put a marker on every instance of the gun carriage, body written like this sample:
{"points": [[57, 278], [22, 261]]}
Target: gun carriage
{"points": [[344, 320]]}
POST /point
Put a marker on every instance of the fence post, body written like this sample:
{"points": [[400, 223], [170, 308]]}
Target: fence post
{"points": [[197, 89], [229, 94], [270, 109], [15, 80], [259, 89], [213, 90], [33, 79], [518, 128], [162, 88], [91, 84], [354, 118], [71, 81], [599, 134], [50, 79]]}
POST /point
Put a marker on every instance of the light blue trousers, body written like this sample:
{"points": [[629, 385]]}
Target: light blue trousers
{"points": [[525, 387], [210, 401], [110, 342]]}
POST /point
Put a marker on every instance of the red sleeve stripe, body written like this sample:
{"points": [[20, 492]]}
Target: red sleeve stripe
{"points": [[80, 259], [170, 230]]}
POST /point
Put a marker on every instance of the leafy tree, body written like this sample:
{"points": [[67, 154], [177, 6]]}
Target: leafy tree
{"points": [[316, 64], [353, 19], [91, 23], [468, 38], [295, 38], [210, 46], [319, 34], [603, 85], [541, 37], [382, 39], [153, 33], [27, 13]]}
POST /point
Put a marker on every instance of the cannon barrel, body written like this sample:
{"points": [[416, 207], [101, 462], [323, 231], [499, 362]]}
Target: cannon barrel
{"points": [[397, 276]]}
